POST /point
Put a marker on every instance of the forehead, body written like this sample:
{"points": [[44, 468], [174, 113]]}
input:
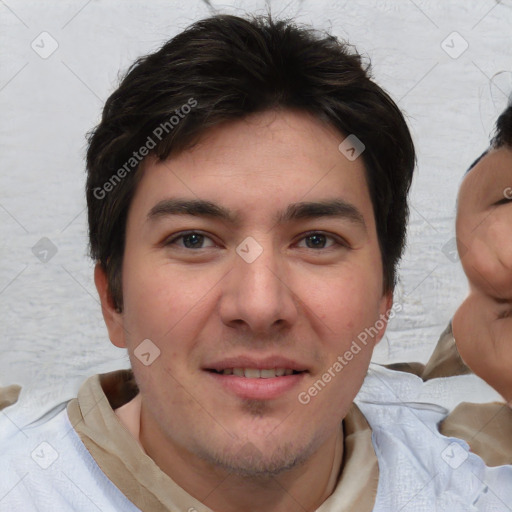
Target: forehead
{"points": [[259, 163], [488, 179]]}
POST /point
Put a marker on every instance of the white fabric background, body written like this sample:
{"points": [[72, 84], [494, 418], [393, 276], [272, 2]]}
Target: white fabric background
{"points": [[52, 332]]}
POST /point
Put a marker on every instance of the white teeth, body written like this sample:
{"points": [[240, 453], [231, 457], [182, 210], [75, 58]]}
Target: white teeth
{"points": [[255, 373], [252, 373]]}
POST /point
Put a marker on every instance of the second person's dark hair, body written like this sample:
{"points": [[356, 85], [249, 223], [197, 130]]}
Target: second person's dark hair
{"points": [[502, 134], [503, 131]]}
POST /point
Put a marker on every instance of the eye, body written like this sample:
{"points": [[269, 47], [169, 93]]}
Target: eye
{"points": [[189, 240], [198, 240], [318, 240], [505, 200]]}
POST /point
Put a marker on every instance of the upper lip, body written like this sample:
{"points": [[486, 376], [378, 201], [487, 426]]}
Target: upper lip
{"points": [[266, 363]]}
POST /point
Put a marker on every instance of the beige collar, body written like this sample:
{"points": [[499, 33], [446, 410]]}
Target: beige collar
{"points": [[123, 460]]}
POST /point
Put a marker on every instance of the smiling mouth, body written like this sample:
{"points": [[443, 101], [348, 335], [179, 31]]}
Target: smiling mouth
{"points": [[253, 382], [256, 373]]}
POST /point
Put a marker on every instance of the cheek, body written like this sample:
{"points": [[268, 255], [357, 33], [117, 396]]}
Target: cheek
{"points": [[345, 304], [500, 233], [157, 297], [145, 301], [487, 261]]}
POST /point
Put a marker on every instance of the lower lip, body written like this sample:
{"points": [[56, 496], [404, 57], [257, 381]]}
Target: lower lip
{"points": [[258, 389]]}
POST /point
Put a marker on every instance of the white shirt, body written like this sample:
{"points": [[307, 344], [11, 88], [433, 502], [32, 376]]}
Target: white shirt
{"points": [[46, 467]]}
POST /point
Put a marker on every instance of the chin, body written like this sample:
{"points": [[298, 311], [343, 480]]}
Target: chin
{"points": [[247, 460]]}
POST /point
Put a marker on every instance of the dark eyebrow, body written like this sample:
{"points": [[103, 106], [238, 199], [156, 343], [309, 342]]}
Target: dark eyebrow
{"points": [[329, 208], [195, 207], [304, 210]]}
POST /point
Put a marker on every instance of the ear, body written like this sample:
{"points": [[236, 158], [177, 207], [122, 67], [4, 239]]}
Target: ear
{"points": [[113, 319], [385, 312]]}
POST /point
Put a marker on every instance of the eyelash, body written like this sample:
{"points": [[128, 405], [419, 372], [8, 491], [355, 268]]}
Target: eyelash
{"points": [[505, 200], [337, 240]]}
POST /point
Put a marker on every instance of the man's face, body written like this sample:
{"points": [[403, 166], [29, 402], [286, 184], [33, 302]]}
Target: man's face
{"points": [[276, 285], [484, 224]]}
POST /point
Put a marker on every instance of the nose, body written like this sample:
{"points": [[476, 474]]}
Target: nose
{"points": [[258, 295]]}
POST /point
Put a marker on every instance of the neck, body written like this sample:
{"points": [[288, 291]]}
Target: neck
{"points": [[304, 487]]}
